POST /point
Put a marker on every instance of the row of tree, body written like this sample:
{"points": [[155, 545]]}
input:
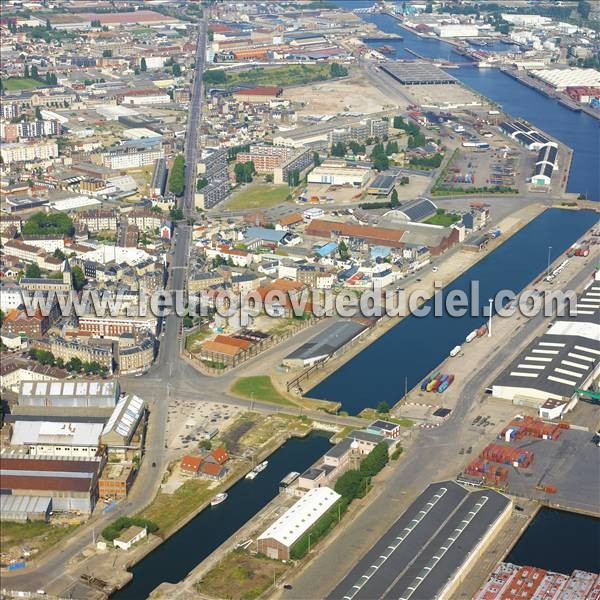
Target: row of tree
{"points": [[177, 176], [244, 172], [45, 357]]}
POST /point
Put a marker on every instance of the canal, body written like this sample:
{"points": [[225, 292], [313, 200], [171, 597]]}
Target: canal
{"points": [[559, 541], [579, 131], [414, 347], [180, 553]]}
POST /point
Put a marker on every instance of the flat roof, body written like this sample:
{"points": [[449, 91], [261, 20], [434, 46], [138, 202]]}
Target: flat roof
{"points": [[301, 516], [417, 73], [329, 341], [55, 432], [425, 547]]}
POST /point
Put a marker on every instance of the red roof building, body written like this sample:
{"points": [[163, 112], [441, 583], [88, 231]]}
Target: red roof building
{"points": [[190, 464]]}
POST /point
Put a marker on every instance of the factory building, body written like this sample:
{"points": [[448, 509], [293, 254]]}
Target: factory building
{"points": [[417, 73], [451, 30], [72, 484], [545, 164], [21, 509], [429, 550], [566, 358], [57, 438], [276, 541], [119, 430], [74, 394]]}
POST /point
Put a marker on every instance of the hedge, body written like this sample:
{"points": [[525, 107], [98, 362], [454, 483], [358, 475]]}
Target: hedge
{"points": [[113, 530]]}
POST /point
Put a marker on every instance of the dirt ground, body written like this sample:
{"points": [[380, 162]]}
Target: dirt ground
{"points": [[327, 98], [447, 96]]}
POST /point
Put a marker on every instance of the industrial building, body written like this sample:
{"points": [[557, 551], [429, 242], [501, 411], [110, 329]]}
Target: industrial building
{"points": [[566, 358], [383, 184], [55, 438], [417, 73], [545, 164], [326, 344], [25, 508], [118, 432], [73, 393], [339, 172], [72, 484], [524, 134], [561, 79], [415, 210], [276, 542], [428, 551], [159, 178]]}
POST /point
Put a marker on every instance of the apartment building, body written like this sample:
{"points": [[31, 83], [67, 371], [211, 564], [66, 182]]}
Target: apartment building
{"points": [[27, 152], [299, 161], [85, 352], [98, 220], [131, 159], [212, 166], [136, 358]]}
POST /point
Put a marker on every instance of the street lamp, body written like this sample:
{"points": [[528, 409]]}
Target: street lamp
{"points": [[548, 267], [491, 300]]}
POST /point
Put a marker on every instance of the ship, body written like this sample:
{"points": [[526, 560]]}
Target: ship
{"points": [[386, 49], [218, 499], [455, 351], [477, 43], [257, 469]]}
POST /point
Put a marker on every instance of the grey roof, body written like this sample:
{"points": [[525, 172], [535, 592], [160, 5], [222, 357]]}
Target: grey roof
{"points": [[426, 546], [340, 448], [416, 73], [384, 182], [417, 210], [329, 341], [265, 234]]}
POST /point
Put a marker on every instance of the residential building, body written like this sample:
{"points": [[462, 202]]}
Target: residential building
{"points": [[28, 152], [131, 159]]}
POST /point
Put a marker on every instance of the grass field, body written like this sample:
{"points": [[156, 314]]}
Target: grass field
{"points": [[259, 196], [14, 84], [260, 388], [280, 76], [167, 510], [37, 535], [443, 219], [371, 413], [195, 338], [241, 576]]}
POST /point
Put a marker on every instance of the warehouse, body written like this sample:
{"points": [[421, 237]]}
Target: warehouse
{"points": [[73, 393], [326, 344], [51, 438], [277, 541], [118, 432], [339, 172], [429, 549], [25, 508], [566, 358], [417, 73], [561, 79], [524, 134], [416, 210], [383, 184], [71, 483], [545, 164]]}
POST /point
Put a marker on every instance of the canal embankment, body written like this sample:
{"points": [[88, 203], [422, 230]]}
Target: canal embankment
{"points": [[450, 267]]}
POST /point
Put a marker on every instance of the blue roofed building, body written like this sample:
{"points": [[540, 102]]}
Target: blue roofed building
{"points": [[264, 234], [327, 249]]}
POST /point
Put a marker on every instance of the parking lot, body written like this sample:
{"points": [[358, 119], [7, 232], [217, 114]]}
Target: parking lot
{"points": [[190, 422]]}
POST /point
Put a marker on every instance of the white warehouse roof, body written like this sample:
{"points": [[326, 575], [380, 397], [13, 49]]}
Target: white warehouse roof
{"points": [[27, 433], [125, 417], [562, 78], [301, 517]]}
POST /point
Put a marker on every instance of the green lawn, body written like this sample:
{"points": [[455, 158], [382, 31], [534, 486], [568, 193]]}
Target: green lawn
{"points": [[14, 84], [260, 388], [259, 196], [444, 219]]}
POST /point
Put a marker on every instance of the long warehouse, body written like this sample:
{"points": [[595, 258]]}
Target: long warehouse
{"points": [[425, 552]]}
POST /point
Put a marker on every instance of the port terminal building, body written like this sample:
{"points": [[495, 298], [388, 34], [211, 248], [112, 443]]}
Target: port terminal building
{"points": [[428, 551], [547, 373], [417, 73]]}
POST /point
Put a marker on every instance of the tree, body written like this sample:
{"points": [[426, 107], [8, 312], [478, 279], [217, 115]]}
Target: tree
{"points": [[269, 178], [58, 253], [215, 76], [316, 158], [188, 321], [26, 71], [343, 251], [176, 214], [205, 445], [48, 224], [33, 271], [293, 178], [201, 183], [349, 484], [96, 23], [337, 70], [394, 198], [383, 408], [244, 171], [391, 148], [143, 66], [584, 8], [34, 72], [176, 177], [78, 277], [338, 149], [379, 158], [176, 70], [74, 364]]}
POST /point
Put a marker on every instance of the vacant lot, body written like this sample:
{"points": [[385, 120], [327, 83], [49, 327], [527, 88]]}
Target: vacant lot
{"points": [[14, 84], [260, 388], [35, 536], [241, 576], [259, 196], [443, 218], [168, 509], [280, 76]]}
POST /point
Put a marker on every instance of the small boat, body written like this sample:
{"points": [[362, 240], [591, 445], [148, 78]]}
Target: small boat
{"points": [[250, 475], [260, 468], [218, 499]]}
